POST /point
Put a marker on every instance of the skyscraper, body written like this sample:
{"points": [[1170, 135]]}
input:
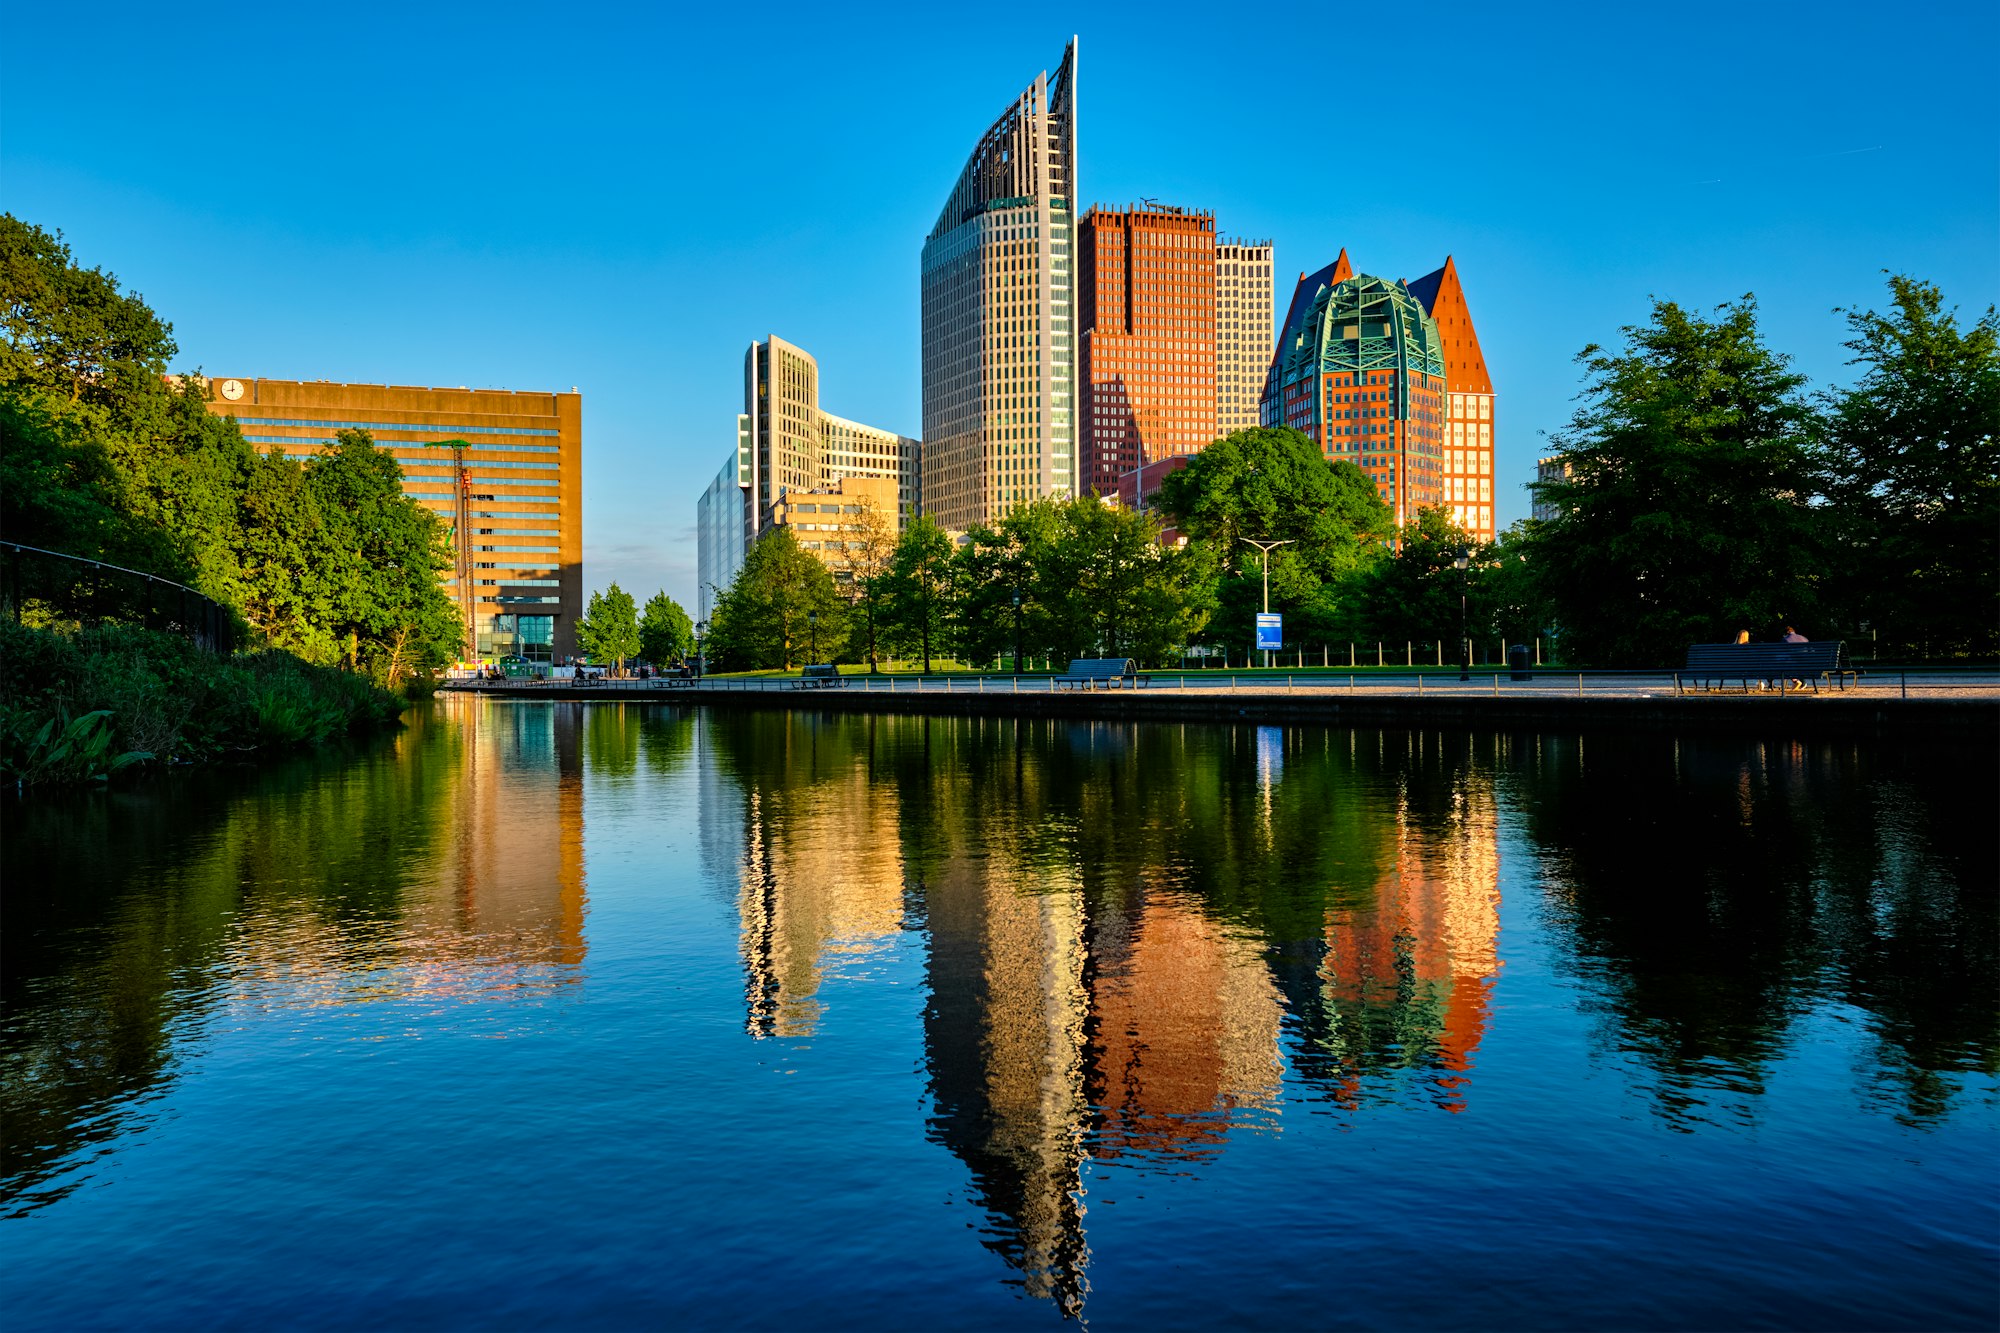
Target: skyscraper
{"points": [[1146, 311], [1468, 455], [1359, 368], [786, 445], [1243, 311], [1389, 375], [999, 360]]}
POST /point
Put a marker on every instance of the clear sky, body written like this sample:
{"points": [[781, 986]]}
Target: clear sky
{"points": [[623, 198]]}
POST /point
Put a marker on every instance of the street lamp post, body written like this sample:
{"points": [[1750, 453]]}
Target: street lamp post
{"points": [[1462, 562], [1264, 550], [700, 661], [1017, 631], [812, 632]]}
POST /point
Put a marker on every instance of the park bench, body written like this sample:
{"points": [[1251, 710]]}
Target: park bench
{"points": [[1714, 665], [823, 676], [674, 677], [1087, 673]]}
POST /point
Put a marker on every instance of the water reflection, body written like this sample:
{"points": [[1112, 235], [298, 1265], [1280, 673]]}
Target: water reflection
{"points": [[1132, 933], [1720, 893], [443, 865], [1151, 958], [1120, 923]]}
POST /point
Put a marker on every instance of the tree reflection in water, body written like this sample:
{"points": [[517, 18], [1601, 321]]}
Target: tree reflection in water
{"points": [[444, 863]]}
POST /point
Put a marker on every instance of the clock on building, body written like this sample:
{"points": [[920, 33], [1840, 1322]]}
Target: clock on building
{"points": [[232, 389]]}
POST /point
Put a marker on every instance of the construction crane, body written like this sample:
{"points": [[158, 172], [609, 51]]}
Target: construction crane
{"points": [[461, 540]]}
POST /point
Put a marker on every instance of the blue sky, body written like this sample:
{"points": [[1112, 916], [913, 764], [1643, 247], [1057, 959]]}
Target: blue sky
{"points": [[623, 198]]}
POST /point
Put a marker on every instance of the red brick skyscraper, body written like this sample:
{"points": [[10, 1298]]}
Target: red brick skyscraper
{"points": [[1146, 298]]}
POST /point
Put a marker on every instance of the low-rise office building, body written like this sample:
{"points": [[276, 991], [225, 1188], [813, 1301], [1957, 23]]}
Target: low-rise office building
{"points": [[512, 498]]}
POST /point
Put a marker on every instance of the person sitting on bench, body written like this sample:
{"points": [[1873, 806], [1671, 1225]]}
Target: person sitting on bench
{"points": [[1793, 636]]}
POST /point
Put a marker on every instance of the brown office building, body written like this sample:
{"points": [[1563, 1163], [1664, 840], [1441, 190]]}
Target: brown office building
{"points": [[513, 502], [1146, 308]]}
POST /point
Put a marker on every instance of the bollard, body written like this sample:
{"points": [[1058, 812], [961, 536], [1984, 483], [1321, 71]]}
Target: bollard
{"points": [[1420, 682], [1496, 685], [1579, 684]]}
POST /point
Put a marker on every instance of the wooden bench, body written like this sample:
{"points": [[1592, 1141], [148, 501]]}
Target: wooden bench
{"points": [[674, 677], [822, 676], [1087, 673], [1714, 665]]}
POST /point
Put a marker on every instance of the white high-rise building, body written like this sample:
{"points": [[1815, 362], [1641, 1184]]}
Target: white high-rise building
{"points": [[998, 279], [1243, 331]]}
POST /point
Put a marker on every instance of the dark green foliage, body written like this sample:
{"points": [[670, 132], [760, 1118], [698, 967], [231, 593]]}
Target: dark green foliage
{"points": [[1913, 461], [918, 591], [1093, 579], [103, 457], [1687, 514], [1274, 485], [666, 634], [162, 698], [608, 634], [761, 621]]}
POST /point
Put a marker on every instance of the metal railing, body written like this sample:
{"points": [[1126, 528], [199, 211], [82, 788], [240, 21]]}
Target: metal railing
{"points": [[1492, 682], [90, 591]]}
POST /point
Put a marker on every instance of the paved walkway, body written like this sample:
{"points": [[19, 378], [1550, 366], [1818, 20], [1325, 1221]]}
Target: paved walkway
{"points": [[1970, 684]]}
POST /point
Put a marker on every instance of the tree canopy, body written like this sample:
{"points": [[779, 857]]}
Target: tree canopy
{"points": [[103, 456], [761, 620], [609, 630], [665, 632], [1687, 512]]}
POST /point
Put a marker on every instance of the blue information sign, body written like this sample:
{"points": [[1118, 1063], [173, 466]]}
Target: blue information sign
{"points": [[1270, 630]]}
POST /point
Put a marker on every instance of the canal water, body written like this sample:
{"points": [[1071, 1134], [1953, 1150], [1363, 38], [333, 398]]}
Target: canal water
{"points": [[618, 1016]]}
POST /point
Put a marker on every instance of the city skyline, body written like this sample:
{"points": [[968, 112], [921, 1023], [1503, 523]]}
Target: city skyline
{"points": [[414, 272]]}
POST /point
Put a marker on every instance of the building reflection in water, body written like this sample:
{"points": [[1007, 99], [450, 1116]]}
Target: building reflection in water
{"points": [[1097, 991], [447, 861]]}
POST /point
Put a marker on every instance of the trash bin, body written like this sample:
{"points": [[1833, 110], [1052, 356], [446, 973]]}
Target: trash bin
{"points": [[1517, 662]]}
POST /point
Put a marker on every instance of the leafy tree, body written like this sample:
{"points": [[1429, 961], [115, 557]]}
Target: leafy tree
{"points": [[869, 539], [1275, 485], [665, 632], [1686, 512], [919, 588], [1414, 594], [68, 331], [609, 630], [103, 456], [761, 620], [380, 563], [1913, 456]]}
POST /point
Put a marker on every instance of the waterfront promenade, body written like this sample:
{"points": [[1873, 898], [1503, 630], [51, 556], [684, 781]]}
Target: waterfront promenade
{"points": [[1964, 702]]}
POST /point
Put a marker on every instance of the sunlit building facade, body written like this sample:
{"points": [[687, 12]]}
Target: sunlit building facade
{"points": [[1468, 443], [1360, 369], [786, 444], [1390, 376], [1243, 311], [998, 292], [1147, 311], [514, 507]]}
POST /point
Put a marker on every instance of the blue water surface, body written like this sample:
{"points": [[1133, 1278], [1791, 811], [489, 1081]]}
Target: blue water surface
{"points": [[610, 1016]]}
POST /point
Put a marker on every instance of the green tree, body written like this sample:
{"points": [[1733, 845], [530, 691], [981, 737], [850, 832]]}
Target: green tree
{"points": [[1414, 594], [1913, 456], [761, 621], [665, 632], [1275, 485], [381, 560], [919, 589], [1686, 513], [609, 630], [69, 331]]}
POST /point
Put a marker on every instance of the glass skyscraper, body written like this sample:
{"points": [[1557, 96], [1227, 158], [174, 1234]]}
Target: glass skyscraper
{"points": [[998, 314]]}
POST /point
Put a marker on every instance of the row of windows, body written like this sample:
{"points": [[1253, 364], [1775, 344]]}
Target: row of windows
{"points": [[409, 427]]}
